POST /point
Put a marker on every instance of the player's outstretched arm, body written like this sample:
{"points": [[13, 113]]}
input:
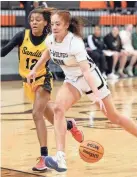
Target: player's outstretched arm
{"points": [[44, 58], [15, 41], [85, 68]]}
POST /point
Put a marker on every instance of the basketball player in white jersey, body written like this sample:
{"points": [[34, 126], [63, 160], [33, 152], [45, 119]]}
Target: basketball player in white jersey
{"points": [[66, 48]]}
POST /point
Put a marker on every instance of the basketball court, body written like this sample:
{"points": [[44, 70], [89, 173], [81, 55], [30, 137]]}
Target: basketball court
{"points": [[20, 146]]}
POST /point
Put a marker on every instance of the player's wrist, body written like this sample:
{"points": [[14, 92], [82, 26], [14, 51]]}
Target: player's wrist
{"points": [[34, 70]]}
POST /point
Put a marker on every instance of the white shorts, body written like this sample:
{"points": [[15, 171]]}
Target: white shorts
{"points": [[83, 87], [129, 49]]}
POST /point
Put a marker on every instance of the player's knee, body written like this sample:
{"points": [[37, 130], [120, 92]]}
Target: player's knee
{"points": [[58, 109], [115, 55], [123, 54], [36, 115]]}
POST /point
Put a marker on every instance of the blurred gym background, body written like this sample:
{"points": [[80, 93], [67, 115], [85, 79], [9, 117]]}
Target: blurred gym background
{"points": [[104, 13]]}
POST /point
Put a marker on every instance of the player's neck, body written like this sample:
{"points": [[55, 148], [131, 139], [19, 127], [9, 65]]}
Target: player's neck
{"points": [[60, 38], [37, 33]]}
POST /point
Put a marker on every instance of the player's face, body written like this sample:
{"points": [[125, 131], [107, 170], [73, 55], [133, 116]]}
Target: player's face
{"points": [[130, 28], [115, 32], [37, 23], [58, 25], [97, 32]]}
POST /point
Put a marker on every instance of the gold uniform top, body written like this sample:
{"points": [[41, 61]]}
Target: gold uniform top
{"points": [[29, 54]]}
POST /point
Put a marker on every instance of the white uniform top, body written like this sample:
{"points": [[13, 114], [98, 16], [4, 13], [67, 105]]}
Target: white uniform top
{"points": [[126, 40], [68, 54]]}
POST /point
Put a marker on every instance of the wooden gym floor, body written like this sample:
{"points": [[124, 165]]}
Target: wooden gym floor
{"points": [[20, 146]]}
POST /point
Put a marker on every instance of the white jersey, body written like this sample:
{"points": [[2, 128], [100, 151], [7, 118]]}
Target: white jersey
{"points": [[126, 40], [68, 54]]}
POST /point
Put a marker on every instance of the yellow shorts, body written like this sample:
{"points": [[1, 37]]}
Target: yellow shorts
{"points": [[45, 81]]}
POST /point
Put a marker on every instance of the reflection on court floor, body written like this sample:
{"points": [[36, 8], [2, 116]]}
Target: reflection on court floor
{"points": [[20, 146]]}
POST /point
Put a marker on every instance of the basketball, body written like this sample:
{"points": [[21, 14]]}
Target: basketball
{"points": [[91, 151]]}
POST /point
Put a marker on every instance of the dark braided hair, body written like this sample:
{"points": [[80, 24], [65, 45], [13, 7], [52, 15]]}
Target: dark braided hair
{"points": [[46, 12]]}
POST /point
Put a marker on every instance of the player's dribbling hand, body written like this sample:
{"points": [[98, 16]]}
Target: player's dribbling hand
{"points": [[31, 75], [96, 99], [101, 104]]}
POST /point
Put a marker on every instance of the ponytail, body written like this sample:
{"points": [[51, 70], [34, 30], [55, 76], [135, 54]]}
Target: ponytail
{"points": [[75, 26]]}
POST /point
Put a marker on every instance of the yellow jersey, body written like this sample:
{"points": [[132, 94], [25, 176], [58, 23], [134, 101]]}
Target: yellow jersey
{"points": [[29, 54]]}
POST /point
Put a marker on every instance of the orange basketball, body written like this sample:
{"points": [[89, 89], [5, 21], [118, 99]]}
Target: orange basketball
{"points": [[91, 151]]}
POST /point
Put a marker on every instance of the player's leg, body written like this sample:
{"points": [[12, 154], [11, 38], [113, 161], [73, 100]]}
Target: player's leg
{"points": [[71, 124], [129, 68], [41, 98], [115, 117], [49, 112], [115, 60], [123, 60], [112, 61], [66, 97]]}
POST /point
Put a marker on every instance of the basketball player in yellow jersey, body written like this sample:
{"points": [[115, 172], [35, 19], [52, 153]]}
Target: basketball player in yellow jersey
{"points": [[31, 44], [29, 54]]}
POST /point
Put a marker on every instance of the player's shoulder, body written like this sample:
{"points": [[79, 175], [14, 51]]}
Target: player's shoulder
{"points": [[76, 38], [20, 34], [49, 39], [77, 42]]}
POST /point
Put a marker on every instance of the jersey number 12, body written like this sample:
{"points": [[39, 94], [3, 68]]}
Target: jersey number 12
{"points": [[30, 64]]}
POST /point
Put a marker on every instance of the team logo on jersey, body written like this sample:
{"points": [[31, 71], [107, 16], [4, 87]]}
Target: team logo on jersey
{"points": [[58, 54], [59, 62], [58, 57], [27, 52]]}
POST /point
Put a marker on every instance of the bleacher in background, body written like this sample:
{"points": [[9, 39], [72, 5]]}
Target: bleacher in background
{"points": [[93, 13]]}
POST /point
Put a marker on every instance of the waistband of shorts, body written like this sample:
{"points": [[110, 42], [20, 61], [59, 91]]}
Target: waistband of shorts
{"points": [[92, 68], [25, 79]]}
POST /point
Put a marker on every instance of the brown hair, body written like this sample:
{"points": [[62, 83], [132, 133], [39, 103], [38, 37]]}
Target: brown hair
{"points": [[75, 24], [46, 12]]}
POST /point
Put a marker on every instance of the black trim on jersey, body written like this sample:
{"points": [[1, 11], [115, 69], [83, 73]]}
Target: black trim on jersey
{"points": [[37, 40], [102, 84], [107, 86], [90, 60]]}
